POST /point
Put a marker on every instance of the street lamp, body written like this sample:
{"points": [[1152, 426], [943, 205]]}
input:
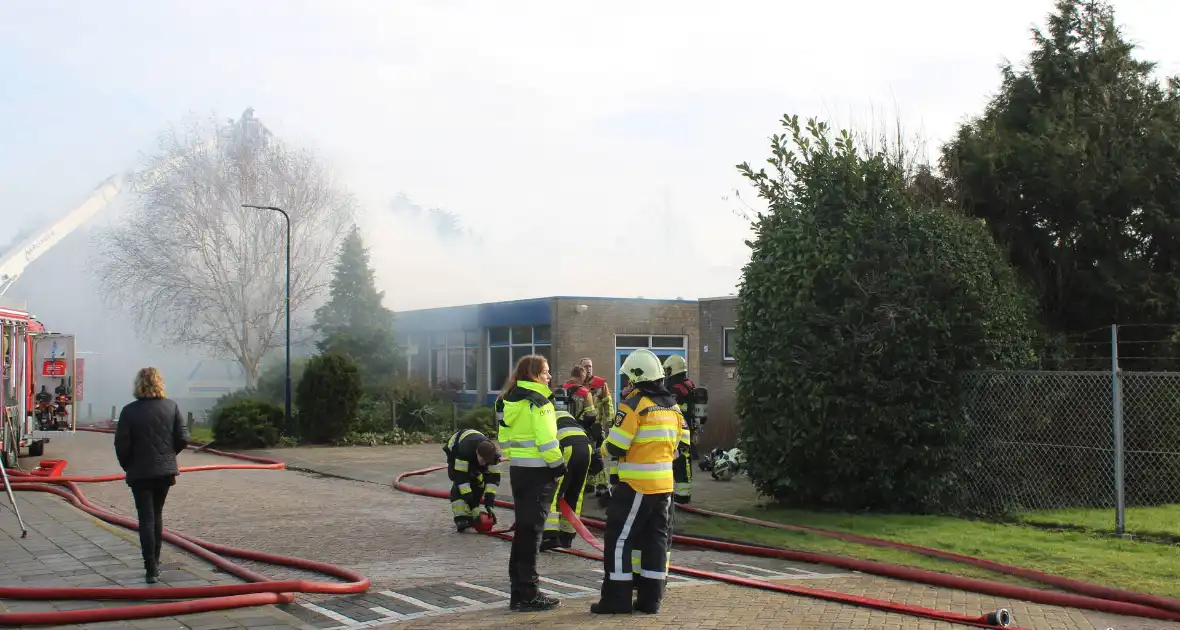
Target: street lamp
{"points": [[287, 398]]}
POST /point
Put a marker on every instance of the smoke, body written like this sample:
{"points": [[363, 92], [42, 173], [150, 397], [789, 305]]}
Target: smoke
{"points": [[428, 257]]}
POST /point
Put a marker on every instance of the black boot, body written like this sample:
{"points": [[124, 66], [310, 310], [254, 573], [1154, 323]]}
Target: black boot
{"points": [[537, 603], [462, 523], [550, 542], [650, 594], [151, 571], [615, 599], [566, 539]]}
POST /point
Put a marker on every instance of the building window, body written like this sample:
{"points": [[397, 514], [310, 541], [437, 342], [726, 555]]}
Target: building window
{"points": [[663, 346], [453, 358], [507, 344], [728, 341]]}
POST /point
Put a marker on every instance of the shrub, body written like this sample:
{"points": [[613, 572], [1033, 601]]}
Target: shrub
{"points": [[391, 437], [246, 423], [482, 419], [854, 314], [417, 406], [329, 397]]}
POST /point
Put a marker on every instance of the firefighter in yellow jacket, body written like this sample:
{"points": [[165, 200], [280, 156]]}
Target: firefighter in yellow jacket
{"points": [[647, 434]]}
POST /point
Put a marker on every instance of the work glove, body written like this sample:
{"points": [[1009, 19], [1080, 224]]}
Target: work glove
{"points": [[491, 513], [596, 464], [557, 472], [489, 500]]}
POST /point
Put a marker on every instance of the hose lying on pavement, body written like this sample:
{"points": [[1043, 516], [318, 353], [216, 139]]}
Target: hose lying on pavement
{"points": [[998, 619], [260, 591], [1076, 586]]}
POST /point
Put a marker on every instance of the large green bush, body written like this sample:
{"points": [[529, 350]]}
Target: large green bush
{"points": [[329, 398], [246, 423], [855, 312]]}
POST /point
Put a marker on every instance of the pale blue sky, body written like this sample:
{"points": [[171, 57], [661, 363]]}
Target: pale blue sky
{"points": [[504, 112]]}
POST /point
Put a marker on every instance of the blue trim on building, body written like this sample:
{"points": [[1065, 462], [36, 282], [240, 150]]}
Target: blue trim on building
{"points": [[534, 312], [627, 299], [525, 312], [531, 313]]}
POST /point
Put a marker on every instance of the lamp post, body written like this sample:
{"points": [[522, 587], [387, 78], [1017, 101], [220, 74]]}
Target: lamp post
{"points": [[287, 398]]}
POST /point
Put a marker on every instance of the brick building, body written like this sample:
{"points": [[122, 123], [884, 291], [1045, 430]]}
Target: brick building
{"points": [[474, 347]]}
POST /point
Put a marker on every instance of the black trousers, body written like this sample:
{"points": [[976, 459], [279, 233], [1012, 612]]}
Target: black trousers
{"points": [[641, 522], [682, 476], [465, 506], [532, 492], [572, 488], [149, 496]]}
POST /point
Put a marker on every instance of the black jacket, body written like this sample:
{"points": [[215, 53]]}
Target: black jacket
{"points": [[149, 435]]}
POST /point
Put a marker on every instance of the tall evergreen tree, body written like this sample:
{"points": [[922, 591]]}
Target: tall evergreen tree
{"points": [[354, 321], [1073, 166]]}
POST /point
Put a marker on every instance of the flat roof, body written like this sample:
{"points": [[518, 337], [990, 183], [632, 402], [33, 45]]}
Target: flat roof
{"points": [[543, 299], [732, 296]]}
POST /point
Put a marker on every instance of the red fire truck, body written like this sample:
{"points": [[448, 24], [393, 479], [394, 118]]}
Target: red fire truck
{"points": [[37, 380]]}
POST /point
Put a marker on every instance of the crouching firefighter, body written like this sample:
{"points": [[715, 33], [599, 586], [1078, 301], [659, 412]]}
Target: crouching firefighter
{"points": [[647, 434], [581, 461], [693, 404], [473, 465]]}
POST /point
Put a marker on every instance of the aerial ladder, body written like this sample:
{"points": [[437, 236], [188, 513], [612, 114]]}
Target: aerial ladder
{"points": [[14, 262]]}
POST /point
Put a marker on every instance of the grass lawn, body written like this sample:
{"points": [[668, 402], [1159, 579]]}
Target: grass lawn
{"points": [[1138, 566], [201, 435], [1159, 521]]}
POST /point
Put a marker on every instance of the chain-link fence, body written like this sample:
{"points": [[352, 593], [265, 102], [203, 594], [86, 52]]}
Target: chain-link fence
{"points": [[1048, 440]]}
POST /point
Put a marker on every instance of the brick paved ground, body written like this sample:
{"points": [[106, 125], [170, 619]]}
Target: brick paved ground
{"points": [[382, 464], [68, 548], [423, 571]]}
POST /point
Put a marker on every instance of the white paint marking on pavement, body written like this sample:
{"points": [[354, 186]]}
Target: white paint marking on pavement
{"points": [[485, 589], [331, 614], [387, 612], [770, 571], [577, 587], [466, 600], [549, 592], [411, 600], [745, 574]]}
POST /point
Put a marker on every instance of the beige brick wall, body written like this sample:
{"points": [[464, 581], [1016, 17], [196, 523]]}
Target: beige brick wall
{"points": [[592, 332], [716, 372]]}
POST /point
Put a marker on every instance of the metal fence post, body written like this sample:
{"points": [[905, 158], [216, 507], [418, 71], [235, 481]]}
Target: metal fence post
{"points": [[1120, 508]]}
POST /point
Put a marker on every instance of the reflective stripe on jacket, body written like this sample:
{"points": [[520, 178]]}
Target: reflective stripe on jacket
{"points": [[463, 464], [528, 432], [648, 432]]}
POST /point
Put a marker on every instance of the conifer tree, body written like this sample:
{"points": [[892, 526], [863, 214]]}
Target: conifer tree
{"points": [[354, 321]]}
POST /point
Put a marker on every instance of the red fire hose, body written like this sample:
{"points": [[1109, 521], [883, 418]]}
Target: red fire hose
{"points": [[1076, 586], [1099, 598], [260, 591]]}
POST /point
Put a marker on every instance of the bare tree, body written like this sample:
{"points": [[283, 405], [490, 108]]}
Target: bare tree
{"points": [[196, 269]]}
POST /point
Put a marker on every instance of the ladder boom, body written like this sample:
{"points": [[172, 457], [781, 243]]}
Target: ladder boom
{"points": [[17, 259]]}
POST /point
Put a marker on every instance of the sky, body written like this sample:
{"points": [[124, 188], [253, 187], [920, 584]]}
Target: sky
{"points": [[591, 146]]}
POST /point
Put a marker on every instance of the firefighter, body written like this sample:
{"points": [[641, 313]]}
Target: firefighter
{"points": [[582, 408], [678, 383], [581, 460], [647, 433], [605, 407], [528, 433], [473, 465]]}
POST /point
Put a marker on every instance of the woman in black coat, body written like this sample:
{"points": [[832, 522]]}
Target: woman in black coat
{"points": [[148, 437]]}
